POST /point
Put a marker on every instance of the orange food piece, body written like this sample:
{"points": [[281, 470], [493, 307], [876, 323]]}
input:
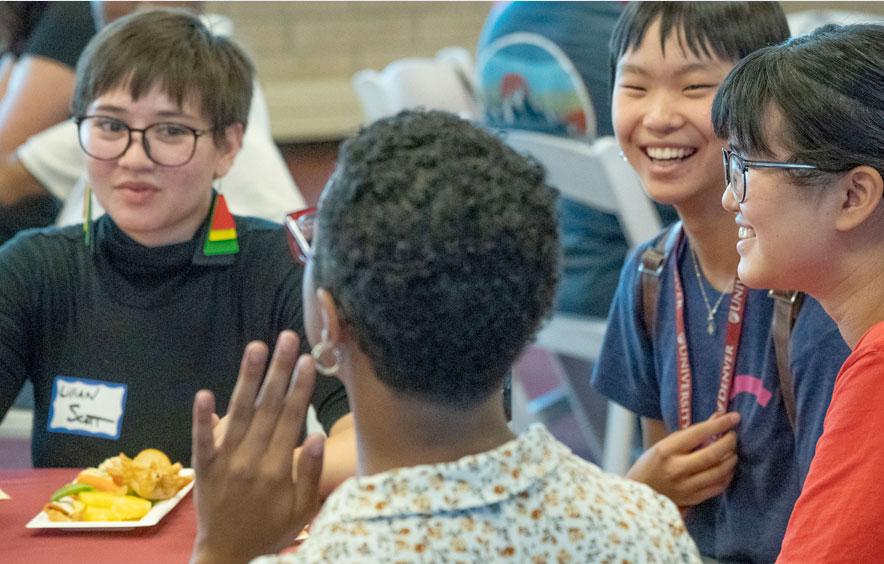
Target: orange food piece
{"points": [[100, 480]]}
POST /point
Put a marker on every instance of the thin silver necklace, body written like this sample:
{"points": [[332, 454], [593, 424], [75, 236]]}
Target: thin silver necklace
{"points": [[710, 310]]}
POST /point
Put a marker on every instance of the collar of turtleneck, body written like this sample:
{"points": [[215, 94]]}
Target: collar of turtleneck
{"points": [[146, 276]]}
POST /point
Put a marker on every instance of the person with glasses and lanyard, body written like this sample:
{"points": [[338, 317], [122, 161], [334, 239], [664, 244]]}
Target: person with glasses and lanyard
{"points": [[805, 127], [699, 367], [118, 322]]}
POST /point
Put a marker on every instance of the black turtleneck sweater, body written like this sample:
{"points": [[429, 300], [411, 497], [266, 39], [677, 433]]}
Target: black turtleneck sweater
{"points": [[163, 322]]}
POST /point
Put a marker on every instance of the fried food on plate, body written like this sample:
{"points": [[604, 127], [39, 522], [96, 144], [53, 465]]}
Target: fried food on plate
{"points": [[152, 475], [99, 494]]}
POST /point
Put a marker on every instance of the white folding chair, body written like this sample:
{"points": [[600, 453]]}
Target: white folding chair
{"points": [[808, 20], [596, 175], [441, 83]]}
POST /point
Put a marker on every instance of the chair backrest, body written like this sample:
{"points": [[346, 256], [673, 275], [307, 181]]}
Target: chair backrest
{"points": [[594, 174], [440, 83], [526, 81]]}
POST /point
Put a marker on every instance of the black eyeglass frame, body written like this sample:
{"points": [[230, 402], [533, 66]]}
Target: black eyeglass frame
{"points": [[746, 164], [197, 133]]}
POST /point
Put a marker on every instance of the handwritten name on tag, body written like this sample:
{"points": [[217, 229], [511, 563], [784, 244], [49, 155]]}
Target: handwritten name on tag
{"points": [[87, 407]]}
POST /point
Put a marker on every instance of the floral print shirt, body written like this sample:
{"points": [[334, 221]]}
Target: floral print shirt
{"points": [[529, 500]]}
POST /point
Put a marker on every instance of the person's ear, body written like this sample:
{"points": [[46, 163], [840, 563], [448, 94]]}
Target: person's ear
{"points": [[862, 189], [228, 148], [331, 320]]}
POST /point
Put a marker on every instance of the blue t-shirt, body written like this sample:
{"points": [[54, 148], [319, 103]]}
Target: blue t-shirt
{"points": [[746, 522]]}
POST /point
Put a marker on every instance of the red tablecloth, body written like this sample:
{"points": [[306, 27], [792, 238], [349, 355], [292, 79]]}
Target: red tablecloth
{"points": [[170, 540]]}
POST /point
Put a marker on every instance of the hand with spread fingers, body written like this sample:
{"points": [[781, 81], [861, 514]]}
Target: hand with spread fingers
{"points": [[691, 465], [247, 503]]}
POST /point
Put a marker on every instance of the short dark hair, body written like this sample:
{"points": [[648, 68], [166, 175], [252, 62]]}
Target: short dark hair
{"points": [[828, 88], [439, 245], [171, 48], [727, 30]]}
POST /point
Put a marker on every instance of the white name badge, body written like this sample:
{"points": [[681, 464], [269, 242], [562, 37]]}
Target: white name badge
{"points": [[87, 407]]}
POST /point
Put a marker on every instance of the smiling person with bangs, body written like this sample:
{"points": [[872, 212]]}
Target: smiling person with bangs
{"points": [[698, 363], [805, 128]]}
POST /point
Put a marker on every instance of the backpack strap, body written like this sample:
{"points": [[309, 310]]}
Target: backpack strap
{"points": [[651, 267], [787, 303]]}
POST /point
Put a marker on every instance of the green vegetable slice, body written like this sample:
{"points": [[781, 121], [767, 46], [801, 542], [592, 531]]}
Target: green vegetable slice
{"points": [[70, 489]]}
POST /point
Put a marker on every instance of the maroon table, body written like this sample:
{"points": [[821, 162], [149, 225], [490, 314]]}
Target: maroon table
{"points": [[170, 540]]}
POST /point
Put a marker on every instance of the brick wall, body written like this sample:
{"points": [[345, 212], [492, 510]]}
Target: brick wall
{"points": [[306, 52]]}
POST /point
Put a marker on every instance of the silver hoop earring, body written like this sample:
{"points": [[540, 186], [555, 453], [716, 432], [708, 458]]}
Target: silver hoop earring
{"points": [[321, 348], [623, 156]]}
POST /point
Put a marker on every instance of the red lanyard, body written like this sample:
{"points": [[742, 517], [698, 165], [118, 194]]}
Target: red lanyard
{"points": [[731, 346]]}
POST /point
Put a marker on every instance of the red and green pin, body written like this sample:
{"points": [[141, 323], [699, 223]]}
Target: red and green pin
{"points": [[222, 231]]}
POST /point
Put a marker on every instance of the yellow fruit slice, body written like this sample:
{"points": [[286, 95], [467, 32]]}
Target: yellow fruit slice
{"points": [[98, 514], [103, 506], [130, 508], [104, 500]]}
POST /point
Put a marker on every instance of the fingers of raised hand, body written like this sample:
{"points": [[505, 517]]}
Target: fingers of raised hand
{"points": [[202, 441], [242, 401], [219, 429], [307, 487], [291, 420], [272, 397]]}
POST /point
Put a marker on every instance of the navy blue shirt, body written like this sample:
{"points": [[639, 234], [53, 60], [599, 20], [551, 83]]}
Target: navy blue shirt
{"points": [[746, 522]]}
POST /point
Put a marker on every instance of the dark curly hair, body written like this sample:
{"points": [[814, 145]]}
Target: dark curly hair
{"points": [[439, 245]]}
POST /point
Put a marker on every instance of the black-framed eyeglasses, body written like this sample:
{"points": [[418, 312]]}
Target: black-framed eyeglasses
{"points": [[299, 233], [166, 143], [735, 167]]}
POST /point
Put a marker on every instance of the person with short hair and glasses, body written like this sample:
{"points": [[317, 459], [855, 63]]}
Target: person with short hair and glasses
{"points": [[133, 313], [699, 365], [810, 214]]}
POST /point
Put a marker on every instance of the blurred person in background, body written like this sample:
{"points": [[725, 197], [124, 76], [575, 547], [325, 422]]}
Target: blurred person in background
{"points": [[593, 242]]}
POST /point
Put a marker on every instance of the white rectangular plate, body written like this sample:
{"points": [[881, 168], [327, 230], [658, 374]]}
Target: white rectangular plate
{"points": [[157, 512]]}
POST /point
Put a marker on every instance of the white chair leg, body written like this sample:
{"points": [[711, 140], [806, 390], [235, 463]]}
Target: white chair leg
{"points": [[619, 436]]}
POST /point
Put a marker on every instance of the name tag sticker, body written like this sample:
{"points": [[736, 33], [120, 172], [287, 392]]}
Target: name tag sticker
{"points": [[87, 407]]}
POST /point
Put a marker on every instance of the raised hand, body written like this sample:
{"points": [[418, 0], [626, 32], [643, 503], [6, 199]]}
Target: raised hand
{"points": [[691, 465], [247, 503]]}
